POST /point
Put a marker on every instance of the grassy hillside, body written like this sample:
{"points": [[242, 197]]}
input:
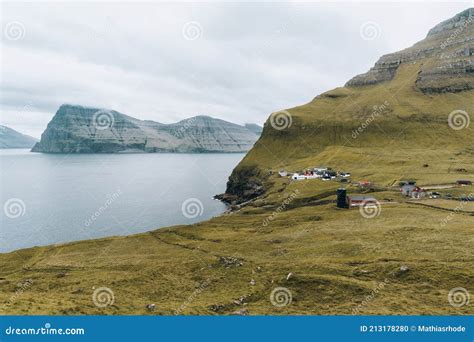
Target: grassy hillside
{"points": [[404, 260], [338, 259], [407, 118]]}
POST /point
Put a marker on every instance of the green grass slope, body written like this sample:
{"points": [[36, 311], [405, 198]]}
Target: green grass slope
{"points": [[290, 237]]}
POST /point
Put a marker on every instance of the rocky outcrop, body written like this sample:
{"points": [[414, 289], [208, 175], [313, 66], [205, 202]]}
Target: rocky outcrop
{"points": [[244, 184], [77, 129], [446, 55], [9, 138]]}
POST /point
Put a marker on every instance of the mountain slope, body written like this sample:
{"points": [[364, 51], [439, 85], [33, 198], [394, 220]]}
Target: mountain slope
{"points": [[420, 98], [446, 58], [77, 129], [9, 138]]}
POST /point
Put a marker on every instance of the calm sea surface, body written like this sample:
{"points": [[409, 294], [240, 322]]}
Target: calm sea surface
{"points": [[48, 198]]}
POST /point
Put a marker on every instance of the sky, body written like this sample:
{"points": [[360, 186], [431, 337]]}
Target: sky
{"points": [[237, 61]]}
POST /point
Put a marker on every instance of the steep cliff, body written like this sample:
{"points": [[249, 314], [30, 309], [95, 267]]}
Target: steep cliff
{"points": [[77, 129], [446, 56]]}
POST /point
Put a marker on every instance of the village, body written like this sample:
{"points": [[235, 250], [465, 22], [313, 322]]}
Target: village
{"points": [[365, 190]]}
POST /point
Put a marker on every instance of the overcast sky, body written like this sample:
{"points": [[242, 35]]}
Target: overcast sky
{"points": [[169, 61]]}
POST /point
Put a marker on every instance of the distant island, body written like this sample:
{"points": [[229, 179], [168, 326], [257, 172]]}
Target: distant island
{"points": [[78, 129], [9, 138]]}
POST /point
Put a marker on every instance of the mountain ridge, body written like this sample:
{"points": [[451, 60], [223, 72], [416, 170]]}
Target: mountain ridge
{"points": [[10, 138], [82, 129], [447, 53]]}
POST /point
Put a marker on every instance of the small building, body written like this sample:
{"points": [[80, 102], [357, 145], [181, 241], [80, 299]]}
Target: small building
{"points": [[418, 193], [412, 191], [364, 183], [341, 198], [332, 174], [358, 200], [283, 173], [406, 182], [407, 189], [320, 169], [464, 182]]}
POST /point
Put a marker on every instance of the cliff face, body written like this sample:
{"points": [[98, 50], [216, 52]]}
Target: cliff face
{"points": [[447, 54], [9, 138], [76, 129], [419, 98]]}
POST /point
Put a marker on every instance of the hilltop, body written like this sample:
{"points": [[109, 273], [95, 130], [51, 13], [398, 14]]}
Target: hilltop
{"points": [[78, 129], [407, 118]]}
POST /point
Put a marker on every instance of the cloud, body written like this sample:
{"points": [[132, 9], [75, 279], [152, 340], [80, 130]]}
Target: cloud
{"points": [[248, 59]]}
